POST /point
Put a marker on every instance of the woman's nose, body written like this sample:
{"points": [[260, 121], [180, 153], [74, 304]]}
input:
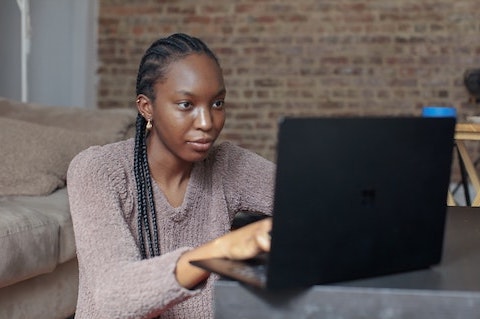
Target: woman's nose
{"points": [[203, 119]]}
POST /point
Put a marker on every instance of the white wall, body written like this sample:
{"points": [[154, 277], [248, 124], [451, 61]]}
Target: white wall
{"points": [[62, 61], [10, 63]]}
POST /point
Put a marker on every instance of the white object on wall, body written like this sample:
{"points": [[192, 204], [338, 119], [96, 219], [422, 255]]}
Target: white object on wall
{"points": [[24, 6], [57, 51]]}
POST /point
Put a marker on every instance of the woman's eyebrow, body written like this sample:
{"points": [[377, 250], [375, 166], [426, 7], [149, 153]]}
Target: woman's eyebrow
{"points": [[222, 91]]}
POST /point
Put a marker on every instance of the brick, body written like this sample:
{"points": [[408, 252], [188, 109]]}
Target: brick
{"points": [[303, 57]]}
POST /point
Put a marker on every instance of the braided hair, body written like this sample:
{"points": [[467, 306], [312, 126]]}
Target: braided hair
{"points": [[152, 69]]}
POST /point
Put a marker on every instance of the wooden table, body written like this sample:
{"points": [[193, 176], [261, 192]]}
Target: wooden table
{"points": [[467, 132]]}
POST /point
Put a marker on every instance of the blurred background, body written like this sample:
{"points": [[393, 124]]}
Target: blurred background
{"points": [[280, 57]]}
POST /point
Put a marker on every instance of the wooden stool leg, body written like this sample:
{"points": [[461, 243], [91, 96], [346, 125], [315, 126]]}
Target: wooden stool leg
{"points": [[471, 171], [450, 200]]}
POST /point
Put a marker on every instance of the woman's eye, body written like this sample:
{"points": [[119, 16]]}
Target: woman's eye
{"points": [[218, 104], [184, 105]]}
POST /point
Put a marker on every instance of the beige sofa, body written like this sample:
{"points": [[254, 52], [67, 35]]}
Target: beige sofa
{"points": [[38, 266]]}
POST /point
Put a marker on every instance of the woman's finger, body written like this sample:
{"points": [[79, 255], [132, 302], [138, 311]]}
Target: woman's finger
{"points": [[263, 241]]}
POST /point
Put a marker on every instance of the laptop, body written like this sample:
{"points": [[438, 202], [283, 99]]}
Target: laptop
{"points": [[355, 198]]}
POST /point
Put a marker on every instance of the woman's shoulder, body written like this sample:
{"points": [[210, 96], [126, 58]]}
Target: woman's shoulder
{"points": [[104, 158], [231, 155], [228, 148], [108, 152]]}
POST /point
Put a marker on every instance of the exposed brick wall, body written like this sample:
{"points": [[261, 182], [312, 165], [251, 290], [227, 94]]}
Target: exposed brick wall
{"points": [[283, 57]]}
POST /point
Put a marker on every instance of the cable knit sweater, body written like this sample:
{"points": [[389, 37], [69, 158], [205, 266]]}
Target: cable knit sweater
{"points": [[114, 281]]}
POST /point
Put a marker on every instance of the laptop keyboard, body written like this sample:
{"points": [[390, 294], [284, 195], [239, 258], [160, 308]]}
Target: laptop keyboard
{"points": [[257, 272], [255, 268]]}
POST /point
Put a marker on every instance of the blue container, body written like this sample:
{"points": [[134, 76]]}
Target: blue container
{"points": [[439, 111]]}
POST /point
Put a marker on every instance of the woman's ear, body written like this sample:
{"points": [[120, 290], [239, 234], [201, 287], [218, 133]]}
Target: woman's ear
{"points": [[144, 106]]}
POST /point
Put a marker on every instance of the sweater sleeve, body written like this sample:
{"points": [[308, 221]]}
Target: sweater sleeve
{"points": [[118, 282], [249, 179]]}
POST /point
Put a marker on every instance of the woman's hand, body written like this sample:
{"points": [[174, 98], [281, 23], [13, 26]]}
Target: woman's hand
{"points": [[242, 243], [246, 242]]}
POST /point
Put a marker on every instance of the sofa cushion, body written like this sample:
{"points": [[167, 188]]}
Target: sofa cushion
{"points": [[38, 142], [36, 235], [35, 158], [116, 123], [49, 296]]}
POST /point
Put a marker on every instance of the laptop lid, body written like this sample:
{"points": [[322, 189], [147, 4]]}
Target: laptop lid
{"points": [[358, 197], [355, 198]]}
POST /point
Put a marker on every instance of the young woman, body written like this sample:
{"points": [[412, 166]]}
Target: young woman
{"points": [[144, 207]]}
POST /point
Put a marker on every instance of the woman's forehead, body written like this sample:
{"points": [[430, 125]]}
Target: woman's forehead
{"points": [[193, 72]]}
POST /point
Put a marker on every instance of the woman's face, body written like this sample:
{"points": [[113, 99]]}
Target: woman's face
{"points": [[188, 112]]}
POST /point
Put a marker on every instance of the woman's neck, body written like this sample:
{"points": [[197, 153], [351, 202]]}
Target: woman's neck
{"points": [[170, 173]]}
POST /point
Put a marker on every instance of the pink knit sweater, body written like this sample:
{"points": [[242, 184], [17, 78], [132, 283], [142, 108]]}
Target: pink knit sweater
{"points": [[114, 281]]}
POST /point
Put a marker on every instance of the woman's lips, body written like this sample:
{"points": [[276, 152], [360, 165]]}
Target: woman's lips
{"points": [[201, 145]]}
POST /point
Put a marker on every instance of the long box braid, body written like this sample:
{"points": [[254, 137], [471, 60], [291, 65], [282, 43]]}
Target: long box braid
{"points": [[153, 68]]}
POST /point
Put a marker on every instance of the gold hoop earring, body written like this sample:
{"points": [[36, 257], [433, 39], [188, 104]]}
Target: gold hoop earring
{"points": [[149, 124]]}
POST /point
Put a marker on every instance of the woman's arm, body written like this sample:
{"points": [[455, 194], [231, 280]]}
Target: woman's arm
{"points": [[248, 179], [243, 243], [115, 281]]}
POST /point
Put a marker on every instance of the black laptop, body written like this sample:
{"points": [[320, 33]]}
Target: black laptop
{"points": [[354, 198]]}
